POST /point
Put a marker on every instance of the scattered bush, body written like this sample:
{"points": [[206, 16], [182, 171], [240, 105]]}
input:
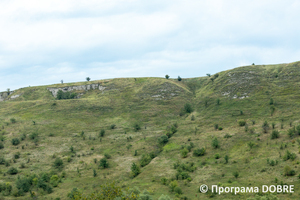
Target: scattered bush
{"points": [[271, 101], [288, 171], [188, 108], [215, 143], [167, 76], [217, 156], [173, 185], [12, 171], [193, 118], [102, 132], [136, 127], [58, 163], [226, 158], [107, 156], [178, 190], [199, 152], [163, 139], [15, 141], [145, 160], [220, 128], [135, 170], [265, 127], [164, 180], [184, 152], [104, 163], [236, 174], [291, 132], [13, 120], [216, 126], [288, 155], [242, 122], [1, 145], [113, 126], [227, 135], [65, 95], [275, 134], [179, 78]]}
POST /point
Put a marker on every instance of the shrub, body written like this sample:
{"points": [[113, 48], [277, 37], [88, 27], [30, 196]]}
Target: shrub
{"points": [[184, 152], [102, 132], [236, 174], [163, 139], [291, 132], [23, 184], [288, 155], [33, 136], [88, 78], [275, 134], [271, 101], [113, 126], [226, 158], [178, 190], [241, 112], [104, 163], [193, 118], [288, 171], [167, 76], [250, 144], [135, 170], [15, 141], [265, 127], [65, 95], [13, 120], [188, 108], [54, 180], [145, 160], [216, 126], [217, 156], [106, 155], [173, 185], [164, 180], [58, 163], [199, 152], [227, 135], [12, 171], [218, 101], [1, 145], [179, 78], [242, 122], [220, 128], [136, 127], [17, 155], [215, 143]]}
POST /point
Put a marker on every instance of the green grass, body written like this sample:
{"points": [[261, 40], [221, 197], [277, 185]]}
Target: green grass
{"points": [[155, 103]]}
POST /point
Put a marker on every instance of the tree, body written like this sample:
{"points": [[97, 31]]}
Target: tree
{"points": [[188, 108], [88, 78], [208, 75], [179, 78], [167, 76], [215, 143]]}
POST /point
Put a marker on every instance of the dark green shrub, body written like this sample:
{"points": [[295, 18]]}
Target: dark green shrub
{"points": [[184, 153], [288, 155], [217, 156], [179, 78], [58, 163], [1, 145], [275, 134], [167, 76], [13, 120], [106, 155], [23, 184], [193, 118], [135, 170], [188, 108], [12, 171], [199, 152], [220, 128], [65, 95], [88, 78], [102, 132], [94, 173], [113, 126], [104, 163], [15, 141], [242, 122], [136, 127], [163, 139], [17, 155], [218, 101], [216, 126], [178, 190], [271, 101], [291, 132], [288, 171], [145, 160], [215, 143], [33, 136], [227, 135], [236, 174], [265, 127], [226, 158]]}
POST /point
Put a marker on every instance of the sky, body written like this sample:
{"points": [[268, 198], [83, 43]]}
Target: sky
{"points": [[44, 42]]}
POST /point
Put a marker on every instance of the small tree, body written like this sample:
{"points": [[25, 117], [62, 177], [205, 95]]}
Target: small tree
{"points": [[265, 127], [236, 174], [167, 76], [58, 163], [179, 78], [275, 134], [184, 153], [226, 158], [94, 173], [88, 78], [208, 75], [136, 127], [15, 141], [188, 108], [218, 101], [102, 132], [271, 101], [13, 120]]}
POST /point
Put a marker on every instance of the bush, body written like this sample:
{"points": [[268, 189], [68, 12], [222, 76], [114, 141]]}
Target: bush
{"points": [[54, 180], [167, 76], [291, 132], [136, 127], [164, 180], [164, 197], [23, 184], [104, 163], [199, 152], [102, 132], [288, 155], [288, 171], [226, 158], [275, 134], [58, 163], [216, 126], [113, 126], [15, 141], [271, 101], [193, 118], [173, 185], [236, 174], [220, 128], [65, 95], [179, 78], [217, 156], [33, 136], [145, 160], [215, 143], [13, 120], [1, 145], [242, 122], [135, 170], [12, 171], [106, 155], [184, 153], [178, 190], [265, 127], [163, 140], [188, 108]]}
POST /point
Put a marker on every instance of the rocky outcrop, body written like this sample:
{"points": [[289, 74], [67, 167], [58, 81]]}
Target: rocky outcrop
{"points": [[92, 86], [4, 95]]}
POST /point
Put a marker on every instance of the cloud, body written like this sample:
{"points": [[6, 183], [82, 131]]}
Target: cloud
{"points": [[42, 42]]}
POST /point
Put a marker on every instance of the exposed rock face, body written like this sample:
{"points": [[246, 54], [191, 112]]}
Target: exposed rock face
{"points": [[4, 95], [79, 88]]}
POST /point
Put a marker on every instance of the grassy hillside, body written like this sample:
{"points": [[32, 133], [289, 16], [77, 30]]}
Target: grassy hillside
{"points": [[69, 129]]}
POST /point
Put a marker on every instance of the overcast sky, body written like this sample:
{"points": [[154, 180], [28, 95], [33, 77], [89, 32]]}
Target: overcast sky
{"points": [[43, 42]]}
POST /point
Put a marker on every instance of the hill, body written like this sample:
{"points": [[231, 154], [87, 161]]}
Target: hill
{"points": [[215, 129]]}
